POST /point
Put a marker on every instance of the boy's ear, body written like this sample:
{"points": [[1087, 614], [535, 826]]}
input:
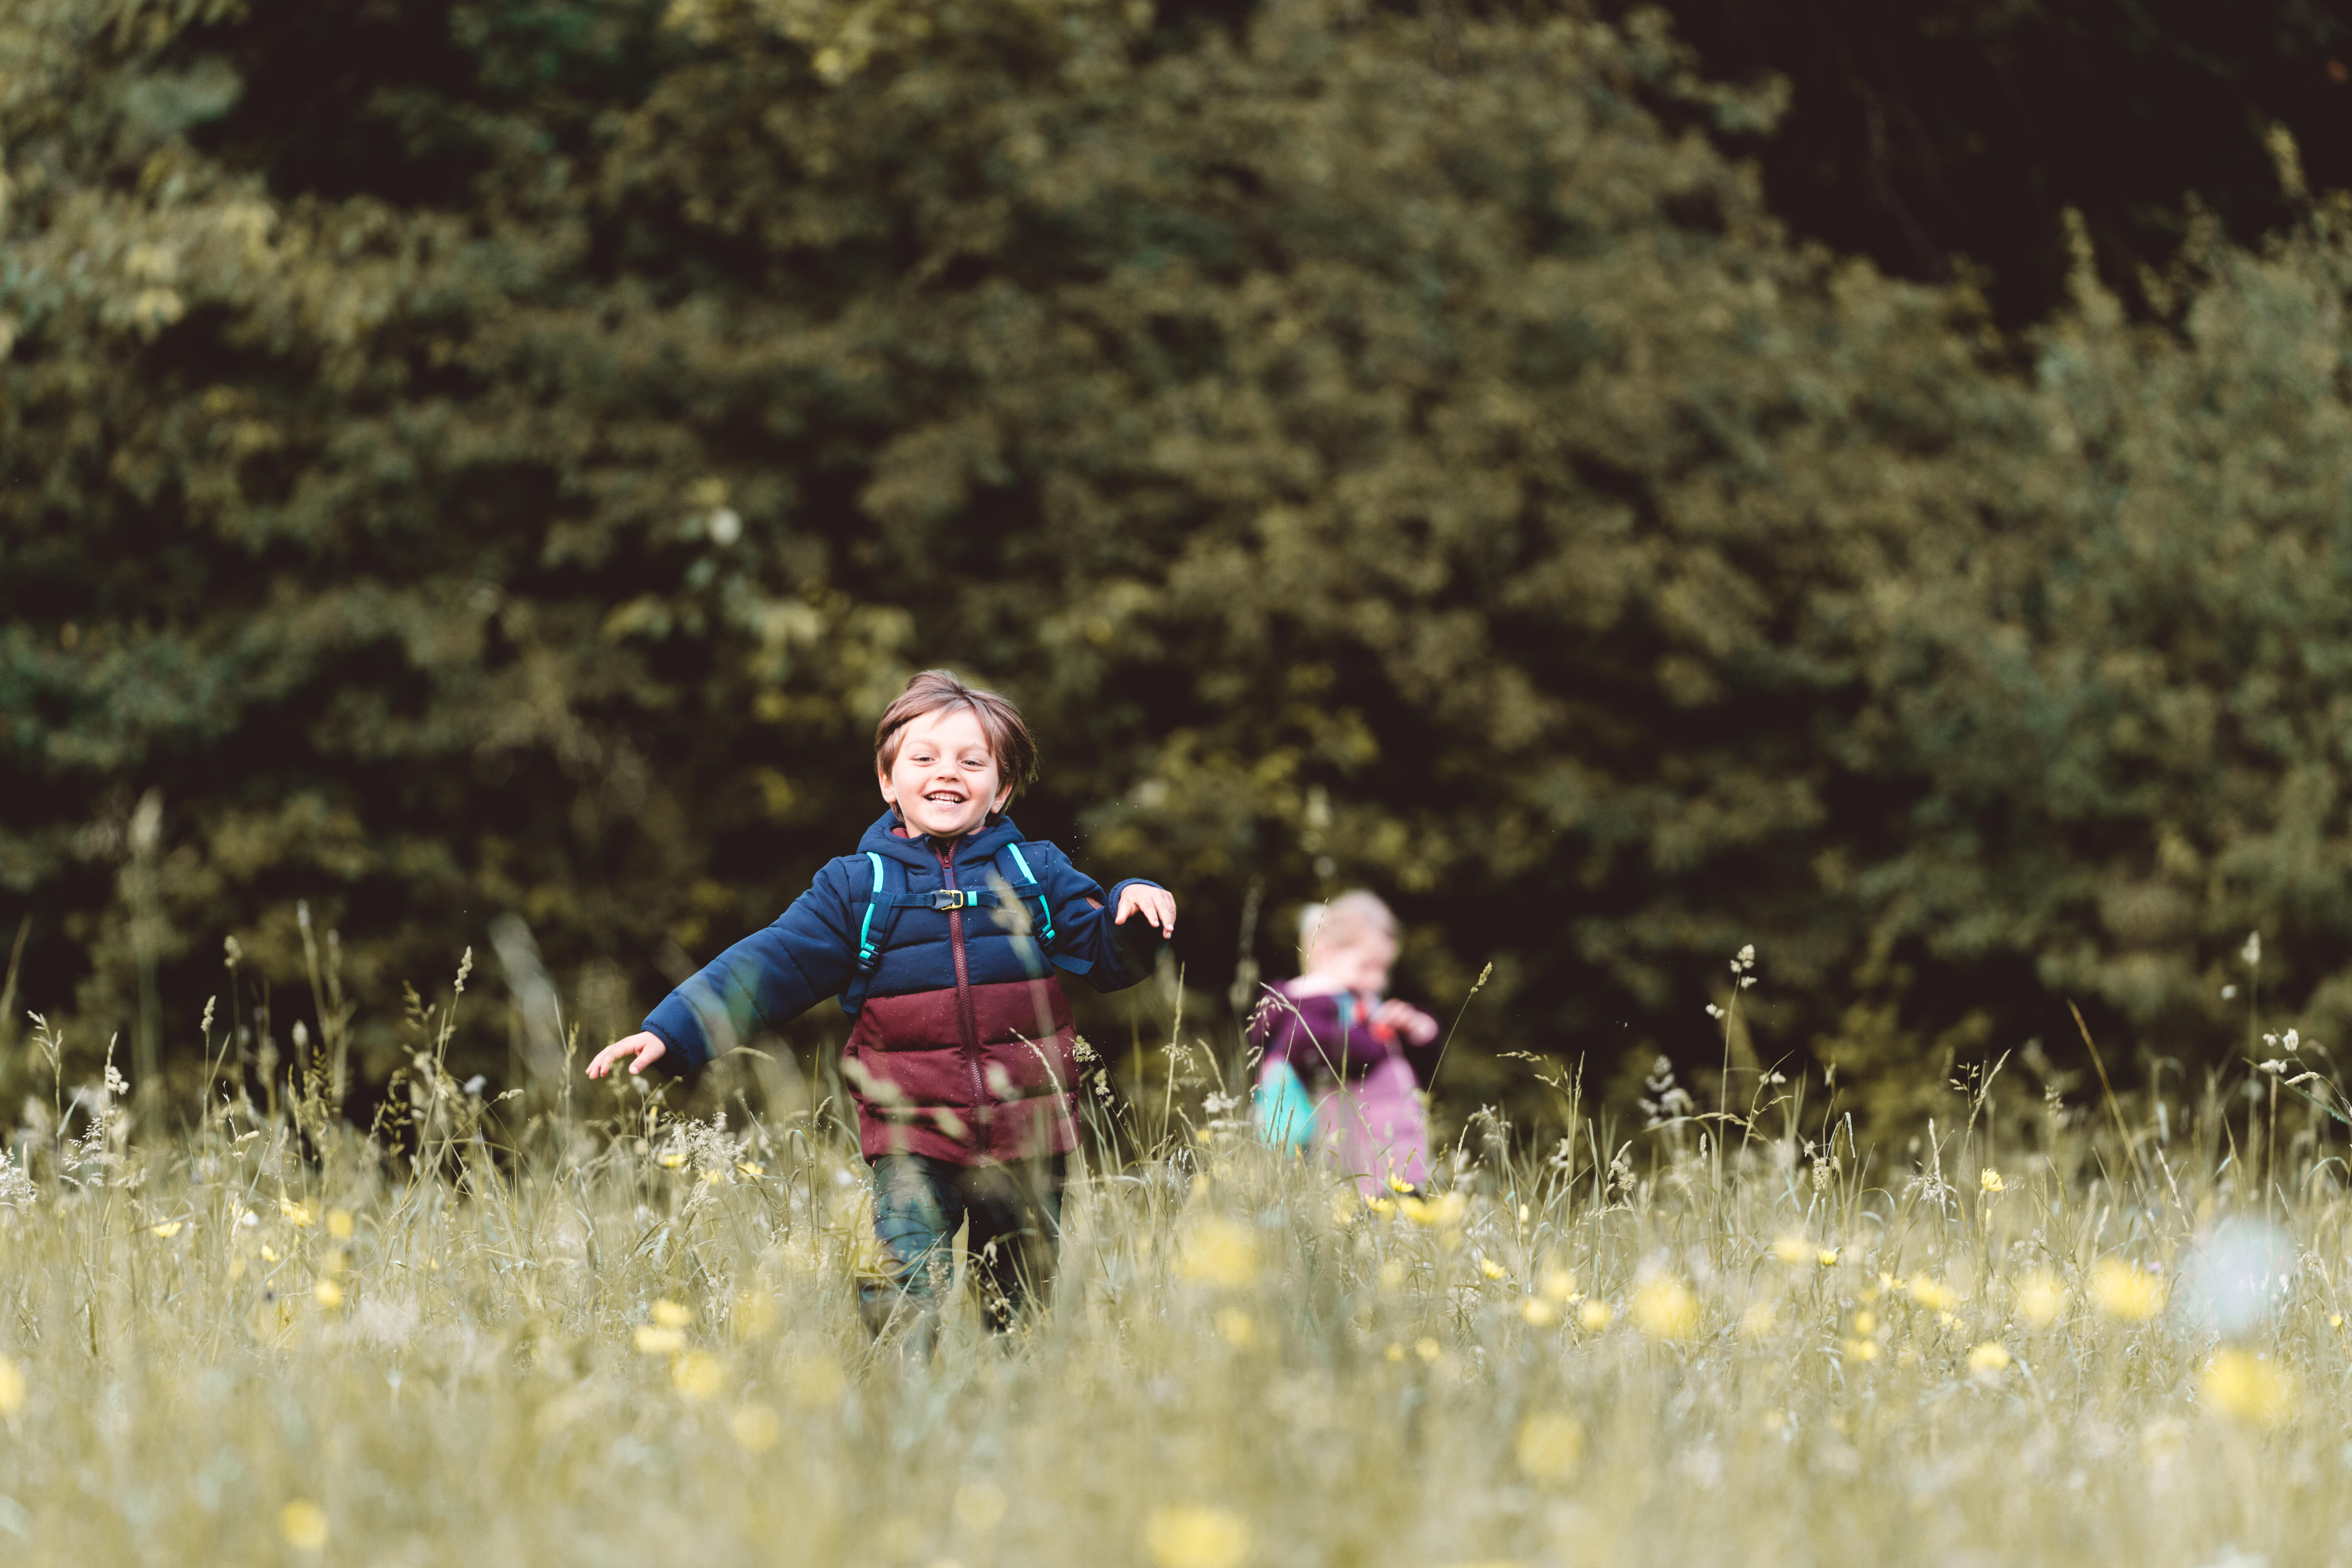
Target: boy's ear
{"points": [[1003, 798], [882, 777]]}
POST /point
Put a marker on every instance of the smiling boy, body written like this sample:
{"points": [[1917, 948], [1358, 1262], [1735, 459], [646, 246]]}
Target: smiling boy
{"points": [[941, 935]]}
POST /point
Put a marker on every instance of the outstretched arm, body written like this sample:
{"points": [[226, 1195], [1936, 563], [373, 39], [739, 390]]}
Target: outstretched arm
{"points": [[1110, 939], [768, 977]]}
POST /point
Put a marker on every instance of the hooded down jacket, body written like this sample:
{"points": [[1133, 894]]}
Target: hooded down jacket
{"points": [[963, 1048]]}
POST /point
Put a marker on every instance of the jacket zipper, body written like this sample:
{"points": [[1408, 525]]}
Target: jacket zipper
{"points": [[965, 1015]]}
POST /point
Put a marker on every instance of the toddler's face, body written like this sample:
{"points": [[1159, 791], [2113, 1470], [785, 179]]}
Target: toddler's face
{"points": [[1360, 965], [944, 782]]}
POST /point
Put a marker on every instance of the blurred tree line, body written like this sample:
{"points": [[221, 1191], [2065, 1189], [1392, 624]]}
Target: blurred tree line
{"points": [[474, 470], [1943, 138]]}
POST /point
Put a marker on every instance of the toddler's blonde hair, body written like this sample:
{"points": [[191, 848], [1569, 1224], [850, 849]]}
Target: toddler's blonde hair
{"points": [[1344, 922]]}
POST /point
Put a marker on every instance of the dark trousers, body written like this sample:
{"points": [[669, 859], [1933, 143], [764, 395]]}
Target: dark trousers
{"points": [[1016, 1212]]}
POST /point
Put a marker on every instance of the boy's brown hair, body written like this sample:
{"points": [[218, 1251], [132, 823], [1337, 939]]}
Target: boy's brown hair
{"points": [[1008, 736]]}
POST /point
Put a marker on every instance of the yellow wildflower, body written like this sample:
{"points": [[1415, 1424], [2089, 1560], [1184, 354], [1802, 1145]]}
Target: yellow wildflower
{"points": [[168, 1229], [1539, 1313], [13, 1389], [1550, 1446], [1861, 1349], [1490, 1269], [2247, 1386], [1988, 1361], [1593, 1315], [1443, 1210], [755, 1429], [327, 1294], [2125, 1292], [303, 1524], [1560, 1285], [1666, 1308], [1989, 1181], [696, 1374], [1196, 1538], [1234, 1327], [670, 1314], [2040, 1299], [339, 1224], [1793, 1249], [1219, 1252], [298, 1215], [654, 1341], [1932, 1294]]}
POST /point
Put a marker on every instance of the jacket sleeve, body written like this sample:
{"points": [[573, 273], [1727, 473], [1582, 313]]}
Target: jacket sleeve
{"points": [[1085, 943], [767, 979]]}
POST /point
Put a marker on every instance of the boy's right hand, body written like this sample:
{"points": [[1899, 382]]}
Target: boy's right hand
{"points": [[647, 1049]]}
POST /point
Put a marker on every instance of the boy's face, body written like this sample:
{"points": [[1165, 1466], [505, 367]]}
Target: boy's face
{"points": [[944, 782]]}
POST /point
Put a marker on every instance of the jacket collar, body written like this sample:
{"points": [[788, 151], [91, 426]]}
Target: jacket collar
{"points": [[972, 849]]}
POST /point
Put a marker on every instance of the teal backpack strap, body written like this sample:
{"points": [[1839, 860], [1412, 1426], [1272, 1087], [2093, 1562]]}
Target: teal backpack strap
{"points": [[1029, 887], [870, 948], [869, 957]]}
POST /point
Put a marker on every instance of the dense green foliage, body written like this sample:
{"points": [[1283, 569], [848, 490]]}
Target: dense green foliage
{"points": [[497, 459]]}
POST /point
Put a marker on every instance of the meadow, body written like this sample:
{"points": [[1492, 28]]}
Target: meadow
{"points": [[577, 1327]]}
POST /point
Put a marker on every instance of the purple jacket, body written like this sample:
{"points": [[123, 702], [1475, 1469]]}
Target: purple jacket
{"points": [[1324, 1038], [963, 1049]]}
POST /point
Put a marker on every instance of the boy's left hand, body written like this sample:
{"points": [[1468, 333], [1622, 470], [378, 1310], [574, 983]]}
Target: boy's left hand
{"points": [[1156, 905]]}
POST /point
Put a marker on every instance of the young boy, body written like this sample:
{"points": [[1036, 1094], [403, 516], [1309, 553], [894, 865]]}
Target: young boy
{"points": [[1335, 1069], [941, 936]]}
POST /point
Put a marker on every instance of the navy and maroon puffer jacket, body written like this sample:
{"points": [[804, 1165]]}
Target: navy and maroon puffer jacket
{"points": [[963, 1049]]}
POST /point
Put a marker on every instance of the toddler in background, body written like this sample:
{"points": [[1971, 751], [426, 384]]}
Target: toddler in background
{"points": [[1335, 1072]]}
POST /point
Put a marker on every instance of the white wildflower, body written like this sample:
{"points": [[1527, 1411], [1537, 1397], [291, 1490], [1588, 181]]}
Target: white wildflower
{"points": [[16, 1189]]}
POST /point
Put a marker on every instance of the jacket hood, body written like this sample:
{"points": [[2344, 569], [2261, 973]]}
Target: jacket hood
{"points": [[973, 847]]}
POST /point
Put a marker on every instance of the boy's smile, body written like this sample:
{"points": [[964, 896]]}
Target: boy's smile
{"points": [[944, 780]]}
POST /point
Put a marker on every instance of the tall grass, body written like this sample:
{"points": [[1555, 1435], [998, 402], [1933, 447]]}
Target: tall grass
{"points": [[596, 1333]]}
